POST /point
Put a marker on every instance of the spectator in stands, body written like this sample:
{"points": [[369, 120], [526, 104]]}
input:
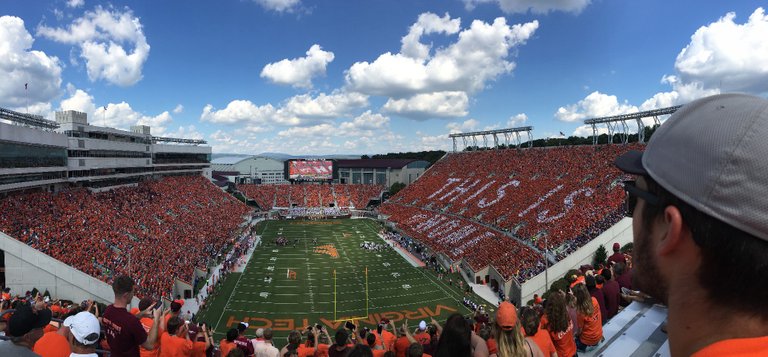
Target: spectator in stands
{"points": [[292, 348], [387, 338], [402, 343], [340, 348], [243, 342], [361, 350], [267, 347], [201, 341], [175, 311], [623, 276], [323, 343], [617, 257], [227, 344], [508, 334], [557, 322], [420, 334], [458, 339], [699, 204], [56, 343], [175, 341], [85, 331], [530, 321], [611, 292], [597, 293], [589, 319], [123, 330], [25, 327]]}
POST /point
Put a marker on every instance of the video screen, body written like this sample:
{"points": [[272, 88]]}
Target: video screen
{"points": [[310, 170]]}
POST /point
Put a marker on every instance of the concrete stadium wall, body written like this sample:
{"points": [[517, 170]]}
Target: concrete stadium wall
{"points": [[620, 232], [27, 268]]}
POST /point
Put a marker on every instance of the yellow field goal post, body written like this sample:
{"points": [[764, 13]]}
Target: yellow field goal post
{"points": [[353, 318]]}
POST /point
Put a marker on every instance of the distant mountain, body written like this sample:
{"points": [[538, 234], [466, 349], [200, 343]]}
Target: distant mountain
{"points": [[282, 157]]}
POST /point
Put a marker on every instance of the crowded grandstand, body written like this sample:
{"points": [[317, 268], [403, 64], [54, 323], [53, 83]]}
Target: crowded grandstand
{"points": [[156, 229]]}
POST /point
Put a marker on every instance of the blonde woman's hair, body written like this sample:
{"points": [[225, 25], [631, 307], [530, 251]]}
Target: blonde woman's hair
{"points": [[510, 342], [583, 300]]}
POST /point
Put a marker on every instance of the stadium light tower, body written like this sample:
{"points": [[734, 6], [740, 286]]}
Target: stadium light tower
{"points": [[619, 122], [511, 136]]}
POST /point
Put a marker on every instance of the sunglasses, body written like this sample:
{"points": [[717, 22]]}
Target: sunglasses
{"points": [[633, 193]]}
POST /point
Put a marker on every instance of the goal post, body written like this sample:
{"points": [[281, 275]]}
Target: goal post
{"points": [[335, 300]]}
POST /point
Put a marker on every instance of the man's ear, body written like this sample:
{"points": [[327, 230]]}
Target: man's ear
{"points": [[675, 231]]}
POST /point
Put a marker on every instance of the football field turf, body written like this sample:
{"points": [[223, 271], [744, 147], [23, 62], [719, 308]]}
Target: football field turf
{"points": [[267, 294]]}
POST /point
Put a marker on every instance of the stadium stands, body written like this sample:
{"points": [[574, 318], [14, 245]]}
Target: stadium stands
{"points": [[568, 194], [157, 231], [270, 196]]}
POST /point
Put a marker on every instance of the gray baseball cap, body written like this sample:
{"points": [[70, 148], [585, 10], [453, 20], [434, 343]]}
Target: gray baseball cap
{"points": [[713, 154]]}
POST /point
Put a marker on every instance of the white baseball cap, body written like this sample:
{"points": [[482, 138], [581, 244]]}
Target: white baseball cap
{"points": [[84, 327]]}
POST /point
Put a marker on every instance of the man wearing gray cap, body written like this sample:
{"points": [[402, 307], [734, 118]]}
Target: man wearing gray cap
{"points": [[700, 224]]}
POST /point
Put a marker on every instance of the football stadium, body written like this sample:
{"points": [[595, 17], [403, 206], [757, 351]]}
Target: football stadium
{"points": [[432, 178], [86, 207]]}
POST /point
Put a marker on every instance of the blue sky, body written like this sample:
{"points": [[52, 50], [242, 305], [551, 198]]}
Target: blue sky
{"points": [[363, 77]]}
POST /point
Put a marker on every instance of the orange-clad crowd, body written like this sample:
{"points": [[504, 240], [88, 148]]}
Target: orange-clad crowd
{"points": [[312, 195], [171, 226], [507, 202]]}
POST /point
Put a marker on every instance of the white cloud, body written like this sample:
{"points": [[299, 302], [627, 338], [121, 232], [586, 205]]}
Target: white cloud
{"points": [[534, 6], [238, 111], [594, 105], [681, 93], [79, 100], [333, 105], [116, 115], [298, 110], [466, 126], [179, 109], [367, 124], [427, 23], [279, 5], [478, 56], [298, 72], [429, 105], [103, 36], [320, 130], [19, 65], [75, 3], [185, 132], [727, 55], [517, 120], [586, 130]]}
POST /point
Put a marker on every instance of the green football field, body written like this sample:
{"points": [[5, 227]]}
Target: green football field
{"points": [[333, 279]]}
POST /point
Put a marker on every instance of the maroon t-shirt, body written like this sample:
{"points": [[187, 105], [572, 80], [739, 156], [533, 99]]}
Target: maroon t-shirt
{"points": [[124, 332], [612, 297], [244, 344]]}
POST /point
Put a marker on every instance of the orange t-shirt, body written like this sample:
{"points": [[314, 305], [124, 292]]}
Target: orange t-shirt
{"points": [[389, 340], [198, 349], [401, 346], [52, 345], [563, 340], [305, 351], [226, 346], [423, 338], [591, 326], [174, 346], [378, 353], [542, 339], [492, 346], [322, 350], [741, 347], [50, 328], [147, 323]]}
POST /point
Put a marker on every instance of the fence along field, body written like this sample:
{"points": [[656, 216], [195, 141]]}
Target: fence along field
{"points": [[291, 285]]}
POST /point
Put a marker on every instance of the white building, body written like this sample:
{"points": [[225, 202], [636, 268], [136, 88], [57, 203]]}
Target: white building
{"points": [[40, 153], [253, 169]]}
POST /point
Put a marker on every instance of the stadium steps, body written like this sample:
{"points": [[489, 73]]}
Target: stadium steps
{"points": [[635, 331]]}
